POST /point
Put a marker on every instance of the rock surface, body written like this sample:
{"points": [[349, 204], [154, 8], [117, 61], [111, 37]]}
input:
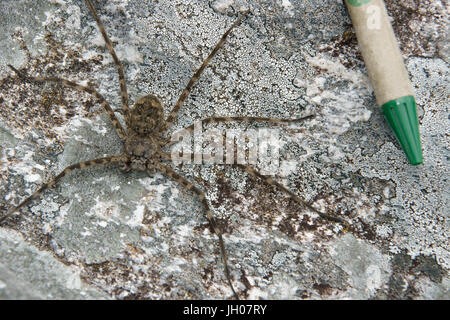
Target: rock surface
{"points": [[103, 233]]}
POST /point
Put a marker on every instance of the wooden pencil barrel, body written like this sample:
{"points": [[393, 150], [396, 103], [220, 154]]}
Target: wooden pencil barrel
{"points": [[380, 50]]}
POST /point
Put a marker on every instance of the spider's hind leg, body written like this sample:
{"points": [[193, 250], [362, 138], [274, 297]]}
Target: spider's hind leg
{"points": [[212, 221], [273, 183], [296, 198], [80, 165]]}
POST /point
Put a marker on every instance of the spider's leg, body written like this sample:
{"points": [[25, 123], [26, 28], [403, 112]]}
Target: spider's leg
{"points": [[122, 82], [80, 165], [212, 221], [167, 142], [270, 181], [119, 129], [274, 183], [185, 93], [255, 173]]}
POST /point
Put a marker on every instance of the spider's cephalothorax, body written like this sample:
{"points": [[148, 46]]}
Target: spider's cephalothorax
{"points": [[141, 153]]}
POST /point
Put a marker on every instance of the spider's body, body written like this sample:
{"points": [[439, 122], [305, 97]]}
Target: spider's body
{"points": [[142, 146], [143, 137]]}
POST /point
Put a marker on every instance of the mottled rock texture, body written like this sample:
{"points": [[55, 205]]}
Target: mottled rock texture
{"points": [[103, 233]]}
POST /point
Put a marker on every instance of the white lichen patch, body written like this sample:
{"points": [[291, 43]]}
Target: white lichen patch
{"points": [[368, 269], [256, 293], [343, 108], [74, 21], [221, 5], [283, 287], [176, 266], [129, 53], [373, 278], [138, 216], [287, 5], [106, 210], [384, 231], [25, 167]]}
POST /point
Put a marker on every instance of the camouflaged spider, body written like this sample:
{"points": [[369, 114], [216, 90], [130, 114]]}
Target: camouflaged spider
{"points": [[143, 140]]}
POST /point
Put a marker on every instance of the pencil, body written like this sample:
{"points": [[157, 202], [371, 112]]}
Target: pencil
{"points": [[387, 73]]}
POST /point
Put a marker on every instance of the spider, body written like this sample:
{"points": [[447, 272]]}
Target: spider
{"points": [[144, 141]]}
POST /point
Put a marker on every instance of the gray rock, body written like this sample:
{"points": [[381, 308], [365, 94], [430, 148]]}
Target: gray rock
{"points": [[130, 235], [29, 273]]}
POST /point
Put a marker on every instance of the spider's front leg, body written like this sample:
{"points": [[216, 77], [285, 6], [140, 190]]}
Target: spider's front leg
{"points": [[71, 84], [171, 118], [109, 45]]}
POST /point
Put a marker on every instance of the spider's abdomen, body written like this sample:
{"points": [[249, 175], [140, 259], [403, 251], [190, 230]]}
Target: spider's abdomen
{"points": [[147, 117]]}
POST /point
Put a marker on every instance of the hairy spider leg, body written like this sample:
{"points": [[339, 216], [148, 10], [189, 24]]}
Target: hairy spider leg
{"points": [[270, 181], [119, 129], [51, 183], [167, 142], [171, 118], [122, 82], [212, 221]]}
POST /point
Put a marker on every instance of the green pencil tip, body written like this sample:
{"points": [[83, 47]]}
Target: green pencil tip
{"points": [[401, 115]]}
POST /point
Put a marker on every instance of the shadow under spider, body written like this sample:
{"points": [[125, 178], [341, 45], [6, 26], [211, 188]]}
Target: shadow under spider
{"points": [[144, 140]]}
